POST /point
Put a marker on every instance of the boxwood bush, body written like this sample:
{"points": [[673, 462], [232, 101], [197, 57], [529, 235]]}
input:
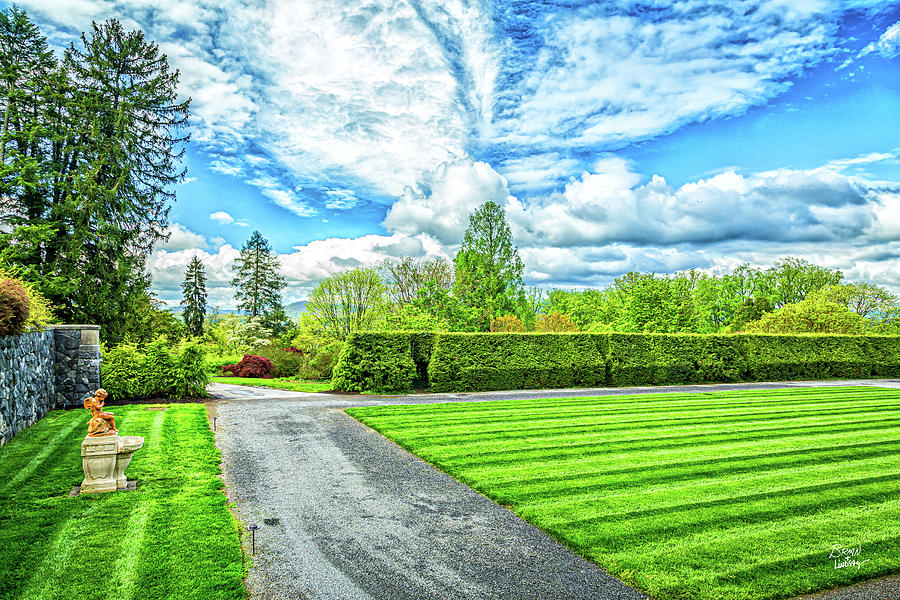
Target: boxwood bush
{"points": [[494, 361]]}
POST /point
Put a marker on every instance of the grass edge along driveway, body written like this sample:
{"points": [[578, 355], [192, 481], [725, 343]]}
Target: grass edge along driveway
{"points": [[719, 495], [173, 537]]}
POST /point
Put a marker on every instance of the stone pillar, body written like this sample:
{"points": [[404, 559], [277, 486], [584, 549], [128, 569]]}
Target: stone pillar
{"points": [[77, 352]]}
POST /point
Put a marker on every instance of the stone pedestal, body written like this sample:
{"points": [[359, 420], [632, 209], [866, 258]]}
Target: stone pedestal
{"points": [[104, 460]]}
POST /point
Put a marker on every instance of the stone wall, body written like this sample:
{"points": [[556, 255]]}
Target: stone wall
{"points": [[27, 381], [43, 370], [77, 355]]}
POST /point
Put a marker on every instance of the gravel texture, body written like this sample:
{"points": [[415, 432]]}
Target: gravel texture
{"points": [[345, 513]]}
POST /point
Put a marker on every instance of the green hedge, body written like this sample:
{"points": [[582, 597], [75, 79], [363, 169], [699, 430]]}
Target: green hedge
{"points": [[505, 361], [128, 373], [375, 362], [493, 361]]}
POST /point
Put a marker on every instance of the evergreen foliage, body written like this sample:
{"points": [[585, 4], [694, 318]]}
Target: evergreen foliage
{"points": [[492, 361], [90, 148], [375, 362], [258, 281], [194, 301]]}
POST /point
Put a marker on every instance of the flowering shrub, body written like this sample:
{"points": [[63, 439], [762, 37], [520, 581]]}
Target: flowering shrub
{"points": [[251, 366]]}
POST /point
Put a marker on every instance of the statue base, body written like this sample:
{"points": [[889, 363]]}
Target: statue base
{"points": [[104, 460]]}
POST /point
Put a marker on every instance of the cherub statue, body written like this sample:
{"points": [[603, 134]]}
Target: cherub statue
{"points": [[101, 423]]}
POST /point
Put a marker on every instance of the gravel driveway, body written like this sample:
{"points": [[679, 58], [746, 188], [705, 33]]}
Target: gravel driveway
{"points": [[345, 513]]}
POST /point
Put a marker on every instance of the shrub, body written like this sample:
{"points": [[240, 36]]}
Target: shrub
{"points": [[662, 359], [473, 361], [507, 324], [129, 374], [320, 361], [191, 373], [123, 374], [285, 363], [251, 366], [14, 307], [40, 312], [375, 362], [555, 322], [162, 377]]}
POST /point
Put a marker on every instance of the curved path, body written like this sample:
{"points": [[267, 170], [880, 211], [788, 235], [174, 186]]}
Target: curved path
{"points": [[345, 513]]}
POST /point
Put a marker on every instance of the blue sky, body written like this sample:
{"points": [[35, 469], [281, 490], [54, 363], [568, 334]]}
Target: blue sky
{"points": [[651, 136]]}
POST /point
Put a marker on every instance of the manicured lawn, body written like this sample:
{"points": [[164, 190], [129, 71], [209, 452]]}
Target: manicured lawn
{"points": [[726, 495], [173, 537], [293, 385]]}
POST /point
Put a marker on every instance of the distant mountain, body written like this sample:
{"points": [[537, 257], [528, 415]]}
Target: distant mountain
{"points": [[295, 309]]}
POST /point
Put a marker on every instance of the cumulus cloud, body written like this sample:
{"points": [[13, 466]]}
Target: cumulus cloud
{"points": [[182, 238], [373, 95], [441, 207], [222, 217]]}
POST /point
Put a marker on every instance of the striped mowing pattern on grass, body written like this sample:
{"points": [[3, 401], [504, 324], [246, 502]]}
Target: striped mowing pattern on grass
{"points": [[171, 538], [723, 495]]}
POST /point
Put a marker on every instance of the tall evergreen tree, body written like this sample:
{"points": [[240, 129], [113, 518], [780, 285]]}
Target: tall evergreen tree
{"points": [[488, 267], [194, 301], [90, 149], [257, 282]]}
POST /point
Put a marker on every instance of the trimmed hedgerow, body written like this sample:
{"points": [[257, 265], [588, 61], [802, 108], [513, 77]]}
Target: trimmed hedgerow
{"points": [[473, 362], [660, 358], [375, 362], [498, 361]]}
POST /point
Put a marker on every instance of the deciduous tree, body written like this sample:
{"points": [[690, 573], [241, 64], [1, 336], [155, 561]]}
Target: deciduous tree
{"points": [[488, 267], [347, 302]]}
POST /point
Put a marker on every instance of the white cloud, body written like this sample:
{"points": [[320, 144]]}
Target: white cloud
{"points": [[283, 197], [182, 238], [221, 217], [888, 45], [603, 78], [451, 193], [340, 199]]}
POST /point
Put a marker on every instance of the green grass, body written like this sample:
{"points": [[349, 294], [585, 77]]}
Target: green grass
{"points": [[725, 495], [284, 383], [173, 537]]}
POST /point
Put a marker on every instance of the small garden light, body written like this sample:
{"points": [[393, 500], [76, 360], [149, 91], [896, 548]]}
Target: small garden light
{"points": [[214, 423], [252, 529]]}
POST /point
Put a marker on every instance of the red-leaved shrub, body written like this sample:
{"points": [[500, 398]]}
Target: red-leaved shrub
{"points": [[251, 366], [14, 307], [293, 350]]}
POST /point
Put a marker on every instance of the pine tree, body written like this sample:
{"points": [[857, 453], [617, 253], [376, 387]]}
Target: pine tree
{"points": [[488, 267], [257, 282], [194, 301]]}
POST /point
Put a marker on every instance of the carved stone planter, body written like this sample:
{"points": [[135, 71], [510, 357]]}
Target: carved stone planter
{"points": [[104, 460]]}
